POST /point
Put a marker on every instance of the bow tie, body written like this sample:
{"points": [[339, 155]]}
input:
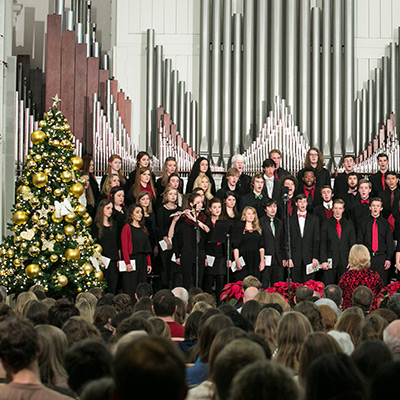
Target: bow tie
{"points": [[365, 201], [259, 196], [301, 215]]}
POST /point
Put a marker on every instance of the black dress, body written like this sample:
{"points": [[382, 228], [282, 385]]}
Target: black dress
{"points": [[119, 219], [249, 249]]}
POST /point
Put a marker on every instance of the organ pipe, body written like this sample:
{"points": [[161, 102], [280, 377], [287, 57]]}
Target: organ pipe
{"points": [[150, 90], [236, 94], [316, 100]]}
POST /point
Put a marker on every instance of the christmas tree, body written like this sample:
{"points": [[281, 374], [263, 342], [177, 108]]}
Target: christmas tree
{"points": [[51, 243]]}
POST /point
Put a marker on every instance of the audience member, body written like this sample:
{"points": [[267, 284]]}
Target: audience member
{"points": [[391, 337], [333, 292], [362, 297]]}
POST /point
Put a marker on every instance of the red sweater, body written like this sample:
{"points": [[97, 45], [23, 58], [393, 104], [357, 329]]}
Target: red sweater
{"points": [[126, 245]]}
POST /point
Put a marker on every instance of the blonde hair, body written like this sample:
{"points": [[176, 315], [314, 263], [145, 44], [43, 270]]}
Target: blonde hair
{"points": [[256, 222], [140, 196], [359, 257], [166, 192], [197, 182], [107, 184], [86, 311], [267, 327], [164, 173], [22, 299], [293, 328]]}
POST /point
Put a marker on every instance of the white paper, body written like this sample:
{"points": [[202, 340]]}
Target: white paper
{"points": [[234, 267], [330, 263], [163, 245], [310, 269], [268, 260], [105, 261], [210, 260], [122, 266], [173, 258], [95, 263]]}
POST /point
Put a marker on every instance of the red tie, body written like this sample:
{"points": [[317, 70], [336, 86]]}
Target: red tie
{"points": [[365, 201], [338, 228], [276, 174], [301, 215], [391, 198], [290, 207], [375, 236], [383, 181]]}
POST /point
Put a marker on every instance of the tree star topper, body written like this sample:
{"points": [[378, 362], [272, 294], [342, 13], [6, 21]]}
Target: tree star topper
{"points": [[56, 100]]}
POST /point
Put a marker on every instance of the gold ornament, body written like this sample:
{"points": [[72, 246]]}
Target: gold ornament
{"points": [[51, 236], [55, 143], [79, 289], [80, 209], [24, 246], [31, 164], [56, 218], [17, 262], [99, 275], [87, 268], [34, 201], [76, 189], [70, 217], [38, 157], [67, 127], [46, 289], [20, 218], [57, 192], [10, 253], [72, 254], [47, 171], [32, 271], [62, 280], [46, 200], [97, 248], [45, 155], [37, 137], [42, 124], [35, 218], [69, 230], [17, 240], [77, 163], [34, 251], [40, 179], [66, 176], [43, 212], [54, 258], [48, 245], [86, 215], [88, 221], [29, 234], [81, 240], [59, 237], [65, 143], [43, 223]]}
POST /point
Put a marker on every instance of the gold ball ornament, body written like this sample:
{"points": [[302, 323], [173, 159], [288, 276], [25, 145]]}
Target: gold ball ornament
{"points": [[62, 280], [55, 143], [42, 123], [76, 189], [77, 163], [97, 248], [65, 143], [54, 258], [34, 201], [10, 253], [79, 289], [86, 215], [43, 223], [72, 254], [70, 217], [31, 164], [67, 127], [48, 172], [57, 192], [46, 200], [35, 218], [20, 218], [32, 271], [66, 176], [38, 157], [88, 221], [69, 230], [17, 240], [59, 237], [37, 137], [56, 218], [99, 275], [40, 179], [17, 263], [24, 246], [23, 189], [87, 268], [80, 209], [34, 251]]}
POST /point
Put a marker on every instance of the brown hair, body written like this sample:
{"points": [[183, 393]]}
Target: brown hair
{"points": [[108, 170], [320, 163], [137, 185]]}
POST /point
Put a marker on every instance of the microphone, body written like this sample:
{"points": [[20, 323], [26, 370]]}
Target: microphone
{"points": [[285, 192]]}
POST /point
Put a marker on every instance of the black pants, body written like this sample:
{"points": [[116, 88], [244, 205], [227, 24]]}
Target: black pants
{"points": [[131, 279], [378, 265], [189, 270], [111, 277], [271, 275]]}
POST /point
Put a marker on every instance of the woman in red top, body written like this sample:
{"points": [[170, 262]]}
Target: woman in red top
{"points": [[359, 274], [136, 249], [143, 182]]}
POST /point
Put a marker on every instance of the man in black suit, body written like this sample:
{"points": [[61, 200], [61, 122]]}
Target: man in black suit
{"points": [[337, 237], [375, 233], [305, 241], [360, 209], [309, 187], [243, 184], [276, 155], [340, 187], [256, 198], [391, 195], [230, 184], [272, 229], [272, 185], [378, 179], [324, 210], [352, 192]]}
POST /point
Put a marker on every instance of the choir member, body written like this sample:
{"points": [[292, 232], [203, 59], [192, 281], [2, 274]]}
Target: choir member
{"points": [[114, 167], [230, 184], [136, 249], [88, 169], [315, 160], [105, 231], [142, 161], [360, 209], [305, 241], [217, 270], [272, 185], [375, 233], [310, 188], [169, 168], [176, 182], [250, 248], [352, 192], [230, 211], [341, 186], [273, 236], [378, 180], [256, 197], [110, 182], [201, 166], [276, 155], [291, 183], [324, 210], [143, 182], [391, 195], [337, 238], [203, 182], [184, 240], [243, 183], [117, 196], [144, 200], [164, 220]]}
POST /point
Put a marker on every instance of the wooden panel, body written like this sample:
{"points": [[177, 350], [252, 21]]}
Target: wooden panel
{"points": [[170, 16], [114, 89], [92, 87], [146, 15], [80, 92], [386, 20], [53, 58], [182, 16], [128, 115], [103, 78], [158, 16], [121, 105], [68, 75], [374, 18]]}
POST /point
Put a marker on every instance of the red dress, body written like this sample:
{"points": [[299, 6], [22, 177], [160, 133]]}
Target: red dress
{"points": [[351, 279]]}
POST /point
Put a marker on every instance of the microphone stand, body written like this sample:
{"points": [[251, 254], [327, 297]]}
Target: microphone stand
{"points": [[198, 237], [288, 241]]}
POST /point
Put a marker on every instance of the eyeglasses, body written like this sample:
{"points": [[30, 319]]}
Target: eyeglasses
{"points": [[313, 154]]}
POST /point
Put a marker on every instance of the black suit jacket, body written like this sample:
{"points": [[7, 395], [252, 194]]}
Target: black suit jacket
{"points": [[281, 172], [332, 246], [243, 184], [250, 200], [273, 244], [376, 181], [385, 237], [319, 211], [359, 212], [305, 248], [317, 197], [323, 177], [385, 195]]}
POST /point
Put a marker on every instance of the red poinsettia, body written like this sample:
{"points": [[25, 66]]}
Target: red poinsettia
{"points": [[232, 293], [388, 291]]}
